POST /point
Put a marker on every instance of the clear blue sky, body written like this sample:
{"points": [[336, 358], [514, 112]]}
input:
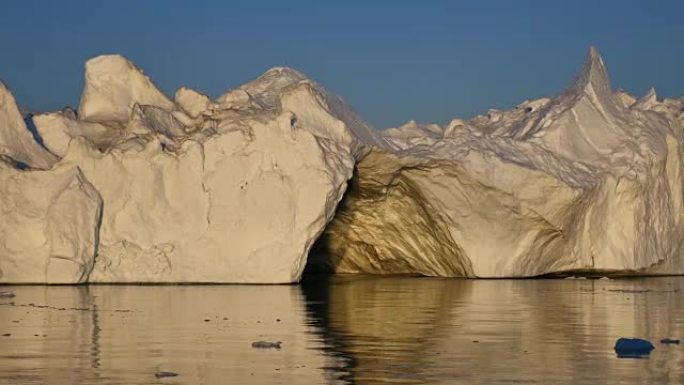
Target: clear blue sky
{"points": [[391, 60]]}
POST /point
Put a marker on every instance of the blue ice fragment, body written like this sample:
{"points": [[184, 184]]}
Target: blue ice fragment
{"points": [[633, 348]]}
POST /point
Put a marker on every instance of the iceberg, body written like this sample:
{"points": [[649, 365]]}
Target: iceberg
{"points": [[579, 183], [136, 187], [235, 190]]}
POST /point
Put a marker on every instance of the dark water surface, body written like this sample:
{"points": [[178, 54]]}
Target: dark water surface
{"points": [[344, 330]]}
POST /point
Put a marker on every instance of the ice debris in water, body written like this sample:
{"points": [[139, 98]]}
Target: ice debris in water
{"points": [[266, 345], [164, 374], [633, 347]]}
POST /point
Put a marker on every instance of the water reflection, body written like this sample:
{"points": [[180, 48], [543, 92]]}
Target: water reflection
{"points": [[343, 330], [408, 330], [124, 334]]}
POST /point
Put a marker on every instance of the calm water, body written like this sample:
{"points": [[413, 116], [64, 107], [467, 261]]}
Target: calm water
{"points": [[345, 330]]}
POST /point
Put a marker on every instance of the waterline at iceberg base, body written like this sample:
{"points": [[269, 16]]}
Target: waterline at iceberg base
{"points": [[136, 187]]}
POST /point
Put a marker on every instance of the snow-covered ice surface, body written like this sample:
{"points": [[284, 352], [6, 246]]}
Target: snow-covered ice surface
{"points": [[589, 181], [138, 187]]}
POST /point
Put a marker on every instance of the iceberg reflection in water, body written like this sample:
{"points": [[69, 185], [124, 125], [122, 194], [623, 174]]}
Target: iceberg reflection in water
{"points": [[344, 330]]}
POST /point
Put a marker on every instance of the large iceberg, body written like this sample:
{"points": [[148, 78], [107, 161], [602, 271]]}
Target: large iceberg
{"points": [[137, 187], [195, 190], [587, 182]]}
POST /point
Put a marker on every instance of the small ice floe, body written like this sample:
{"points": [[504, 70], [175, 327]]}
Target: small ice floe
{"points": [[633, 348], [266, 344], [669, 341], [6, 294], [164, 374]]}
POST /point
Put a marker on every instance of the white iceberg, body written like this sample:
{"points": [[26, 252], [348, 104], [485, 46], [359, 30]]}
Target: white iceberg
{"points": [[577, 183], [137, 187], [230, 191]]}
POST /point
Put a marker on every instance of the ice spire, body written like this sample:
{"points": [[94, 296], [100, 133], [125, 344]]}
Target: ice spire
{"points": [[113, 86], [16, 141]]}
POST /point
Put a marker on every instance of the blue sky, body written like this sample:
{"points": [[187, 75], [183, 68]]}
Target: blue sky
{"points": [[391, 60]]}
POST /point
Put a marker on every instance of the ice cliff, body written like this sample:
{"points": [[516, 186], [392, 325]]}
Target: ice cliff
{"points": [[48, 219], [192, 190], [138, 187]]}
